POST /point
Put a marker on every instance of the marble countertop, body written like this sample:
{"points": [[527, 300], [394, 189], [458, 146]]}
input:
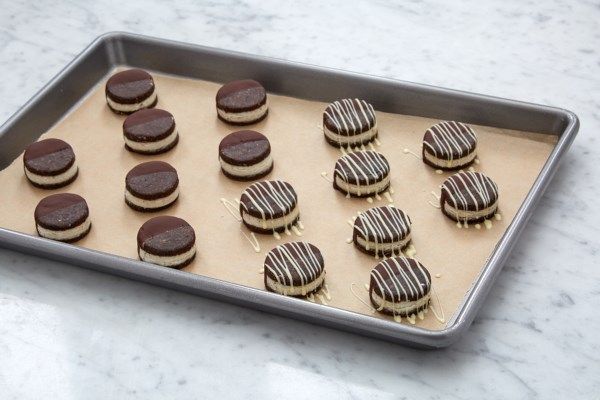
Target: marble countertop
{"points": [[67, 333]]}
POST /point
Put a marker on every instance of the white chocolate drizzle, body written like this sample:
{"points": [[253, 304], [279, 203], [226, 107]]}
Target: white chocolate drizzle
{"points": [[369, 306], [351, 116], [327, 178], [269, 198], [231, 208], [469, 188], [383, 225], [449, 140], [367, 166], [409, 151]]}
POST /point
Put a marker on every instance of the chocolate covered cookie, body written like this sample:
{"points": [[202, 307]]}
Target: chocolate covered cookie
{"points": [[294, 269], [150, 131], [245, 155], [449, 145], [469, 197], [400, 286], [382, 231], [50, 164], [242, 102], [151, 186], [167, 241], [269, 206], [349, 122], [361, 174], [64, 217], [130, 90]]}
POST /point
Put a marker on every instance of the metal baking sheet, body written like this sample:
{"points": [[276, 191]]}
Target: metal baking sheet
{"points": [[297, 80]]}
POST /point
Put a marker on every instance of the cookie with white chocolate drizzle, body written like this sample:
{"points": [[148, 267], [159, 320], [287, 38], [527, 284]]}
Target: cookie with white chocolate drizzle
{"points": [[400, 286], [294, 269], [469, 197], [349, 122], [449, 145], [382, 231], [269, 206], [361, 174]]}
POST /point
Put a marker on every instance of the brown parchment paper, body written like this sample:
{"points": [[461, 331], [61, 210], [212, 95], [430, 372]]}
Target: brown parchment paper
{"points": [[513, 159]]}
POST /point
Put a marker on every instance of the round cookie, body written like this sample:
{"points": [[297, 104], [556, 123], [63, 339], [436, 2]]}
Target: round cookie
{"points": [[469, 197], [361, 174], [294, 269], [130, 90], [50, 164], [245, 155], [382, 231], [64, 217], [167, 241], [151, 186], [150, 131], [449, 145], [400, 286], [242, 102], [269, 206], [349, 122]]}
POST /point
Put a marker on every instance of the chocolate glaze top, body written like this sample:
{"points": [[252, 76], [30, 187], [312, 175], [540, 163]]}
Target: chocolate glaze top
{"points": [[166, 236], [268, 199], [349, 117], [148, 125], [385, 224], [244, 148], [240, 96], [294, 264], [61, 211], [449, 140], [152, 180], [49, 157], [362, 167], [469, 191], [130, 86], [400, 279]]}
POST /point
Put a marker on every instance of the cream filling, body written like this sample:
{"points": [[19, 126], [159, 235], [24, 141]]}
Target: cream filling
{"points": [[400, 307], [350, 140], [168, 261], [274, 223], [295, 290], [66, 234], [468, 215], [152, 146], [45, 180], [131, 107], [151, 204], [383, 247], [361, 190], [455, 163], [244, 116], [247, 170]]}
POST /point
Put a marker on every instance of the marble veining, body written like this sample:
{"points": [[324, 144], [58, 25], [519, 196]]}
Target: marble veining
{"points": [[67, 333]]}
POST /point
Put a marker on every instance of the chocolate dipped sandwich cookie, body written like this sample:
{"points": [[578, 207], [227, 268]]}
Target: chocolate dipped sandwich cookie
{"points": [[50, 164], [64, 217], [449, 145], [167, 241], [242, 102], [130, 90], [382, 231], [400, 286], [469, 197], [150, 131], [361, 174], [151, 186], [349, 123], [269, 206], [245, 155], [294, 269]]}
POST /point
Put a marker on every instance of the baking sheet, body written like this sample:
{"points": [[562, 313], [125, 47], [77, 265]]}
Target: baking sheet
{"points": [[513, 159]]}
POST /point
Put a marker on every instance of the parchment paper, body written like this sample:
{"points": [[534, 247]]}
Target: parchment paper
{"points": [[512, 159]]}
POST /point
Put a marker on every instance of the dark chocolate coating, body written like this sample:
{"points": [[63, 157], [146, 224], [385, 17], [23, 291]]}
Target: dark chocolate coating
{"points": [[469, 191], [274, 199], [454, 140], [383, 225], [241, 96], [349, 117], [361, 168], [244, 148], [337, 144], [401, 278], [166, 236], [148, 125], [130, 86], [61, 211], [152, 180], [49, 157], [287, 262]]}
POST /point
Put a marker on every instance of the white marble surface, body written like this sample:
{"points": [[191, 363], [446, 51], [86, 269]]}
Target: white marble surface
{"points": [[66, 333]]}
